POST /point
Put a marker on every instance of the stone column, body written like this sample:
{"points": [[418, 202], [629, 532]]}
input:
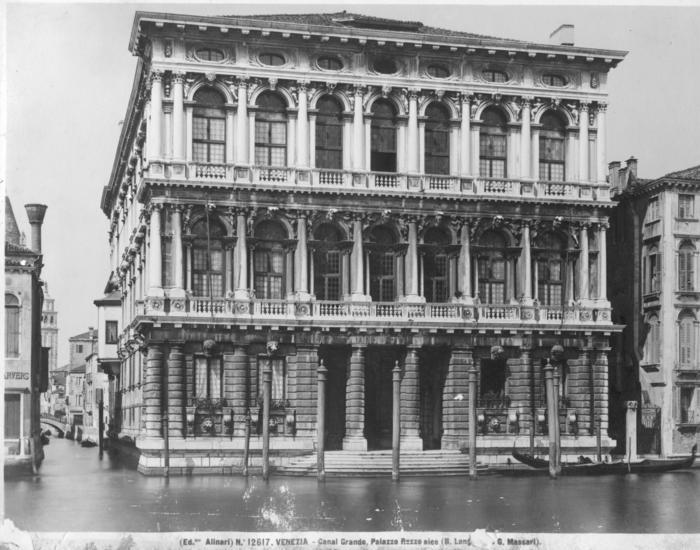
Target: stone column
{"points": [[178, 116], [411, 262], [600, 143], [535, 168], [250, 143], [155, 255], [421, 145], [581, 389], [230, 132], [242, 137], [312, 138], [176, 392], [241, 257], [631, 429], [584, 270], [410, 402], [354, 439], [464, 274], [168, 129], [358, 132], [455, 124], [301, 260], [525, 138], [465, 167], [178, 290], [602, 265], [358, 257], [189, 111], [601, 387], [302, 127], [520, 386], [291, 136], [306, 390], [236, 385], [289, 273], [413, 152], [152, 393], [475, 138], [526, 265], [156, 127], [455, 416], [347, 140], [583, 143]]}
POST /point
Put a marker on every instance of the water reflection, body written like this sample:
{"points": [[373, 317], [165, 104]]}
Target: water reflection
{"points": [[77, 491]]}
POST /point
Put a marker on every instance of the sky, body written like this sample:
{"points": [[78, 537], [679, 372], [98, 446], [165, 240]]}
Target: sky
{"points": [[69, 75]]}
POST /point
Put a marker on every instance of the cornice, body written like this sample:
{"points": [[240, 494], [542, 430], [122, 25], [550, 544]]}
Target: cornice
{"points": [[363, 35]]}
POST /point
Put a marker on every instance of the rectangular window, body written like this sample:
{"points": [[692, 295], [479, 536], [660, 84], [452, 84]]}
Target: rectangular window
{"points": [[654, 343], [78, 348], [208, 135], [13, 413], [166, 249], [270, 143], [686, 206], [686, 274], [687, 409], [207, 383], [12, 331], [685, 340], [279, 381], [653, 211], [112, 332]]}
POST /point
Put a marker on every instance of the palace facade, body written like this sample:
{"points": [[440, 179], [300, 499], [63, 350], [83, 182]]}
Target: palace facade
{"points": [[335, 188], [656, 228]]}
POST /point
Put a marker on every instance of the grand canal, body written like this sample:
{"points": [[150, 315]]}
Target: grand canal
{"points": [[79, 491]]}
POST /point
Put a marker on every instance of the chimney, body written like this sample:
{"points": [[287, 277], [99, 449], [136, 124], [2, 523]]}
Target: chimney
{"points": [[563, 36], [35, 213], [632, 166], [613, 168]]}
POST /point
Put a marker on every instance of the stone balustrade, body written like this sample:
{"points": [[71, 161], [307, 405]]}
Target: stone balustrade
{"points": [[430, 314], [288, 177]]}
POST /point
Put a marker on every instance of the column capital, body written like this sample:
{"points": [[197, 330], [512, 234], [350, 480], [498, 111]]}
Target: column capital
{"points": [[585, 105], [602, 107], [178, 77], [603, 225], [157, 75]]}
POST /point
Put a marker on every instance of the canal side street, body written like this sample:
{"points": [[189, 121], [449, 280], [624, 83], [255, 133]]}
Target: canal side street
{"points": [[119, 499]]}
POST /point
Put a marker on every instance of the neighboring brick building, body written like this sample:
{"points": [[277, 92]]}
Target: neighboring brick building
{"points": [[656, 229], [26, 362], [363, 192]]}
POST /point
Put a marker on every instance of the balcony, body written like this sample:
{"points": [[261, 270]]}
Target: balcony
{"points": [[426, 315], [384, 182]]}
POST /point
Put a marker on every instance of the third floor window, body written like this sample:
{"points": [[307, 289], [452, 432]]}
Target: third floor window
{"points": [[686, 205], [208, 127]]}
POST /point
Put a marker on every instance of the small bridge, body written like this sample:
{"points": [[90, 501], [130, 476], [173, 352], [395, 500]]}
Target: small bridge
{"points": [[55, 423]]}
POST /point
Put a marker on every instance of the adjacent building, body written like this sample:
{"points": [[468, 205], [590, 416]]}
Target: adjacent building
{"points": [[656, 229], [26, 361], [338, 189], [49, 339], [82, 347]]}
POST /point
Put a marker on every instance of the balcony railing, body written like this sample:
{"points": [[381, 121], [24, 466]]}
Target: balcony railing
{"points": [[385, 181], [440, 314]]}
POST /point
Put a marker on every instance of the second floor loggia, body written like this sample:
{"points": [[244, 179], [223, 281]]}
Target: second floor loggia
{"points": [[392, 140]]}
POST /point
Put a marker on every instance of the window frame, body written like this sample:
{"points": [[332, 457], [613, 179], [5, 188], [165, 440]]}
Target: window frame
{"points": [[489, 75], [327, 252], [214, 401], [439, 67], [323, 121], [553, 135], [262, 359], [269, 56], [653, 355], [487, 256], [653, 210], [376, 63], [686, 267], [115, 325], [652, 270], [267, 119], [687, 413], [431, 260], [268, 247], [209, 113], [199, 245], [385, 127], [13, 326], [326, 57], [381, 256], [487, 133], [551, 77], [686, 341], [207, 58], [686, 206], [434, 129]]}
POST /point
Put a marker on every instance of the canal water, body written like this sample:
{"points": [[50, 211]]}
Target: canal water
{"points": [[78, 491]]}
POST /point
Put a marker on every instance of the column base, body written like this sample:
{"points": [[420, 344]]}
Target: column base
{"points": [[302, 296], [241, 294], [527, 301], [155, 292], [464, 300], [176, 293], [354, 443], [413, 299], [411, 443], [450, 443], [360, 298]]}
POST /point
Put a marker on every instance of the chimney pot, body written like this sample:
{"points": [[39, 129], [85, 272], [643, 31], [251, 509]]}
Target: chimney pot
{"points": [[632, 166], [613, 168], [35, 213], [563, 36]]}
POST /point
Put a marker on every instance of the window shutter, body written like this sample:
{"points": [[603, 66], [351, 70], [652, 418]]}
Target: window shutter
{"points": [[658, 272], [686, 342]]}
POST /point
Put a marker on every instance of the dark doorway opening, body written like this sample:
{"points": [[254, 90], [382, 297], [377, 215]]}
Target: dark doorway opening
{"points": [[379, 396], [335, 359], [433, 375]]}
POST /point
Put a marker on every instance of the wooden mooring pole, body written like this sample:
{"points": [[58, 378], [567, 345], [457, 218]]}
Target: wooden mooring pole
{"points": [[557, 426], [472, 423], [551, 420], [396, 426], [267, 386], [598, 436], [322, 373], [246, 448], [166, 445]]}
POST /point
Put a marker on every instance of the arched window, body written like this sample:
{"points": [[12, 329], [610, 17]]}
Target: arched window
{"points": [[550, 269], [208, 258], [272, 59], [492, 144], [382, 265], [437, 140], [552, 148], [686, 267], [437, 70], [652, 270], [12, 313], [383, 148], [495, 76], [208, 127], [329, 134], [327, 263], [654, 341], [492, 268], [329, 63], [269, 261], [554, 80], [686, 340], [436, 265], [271, 131]]}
